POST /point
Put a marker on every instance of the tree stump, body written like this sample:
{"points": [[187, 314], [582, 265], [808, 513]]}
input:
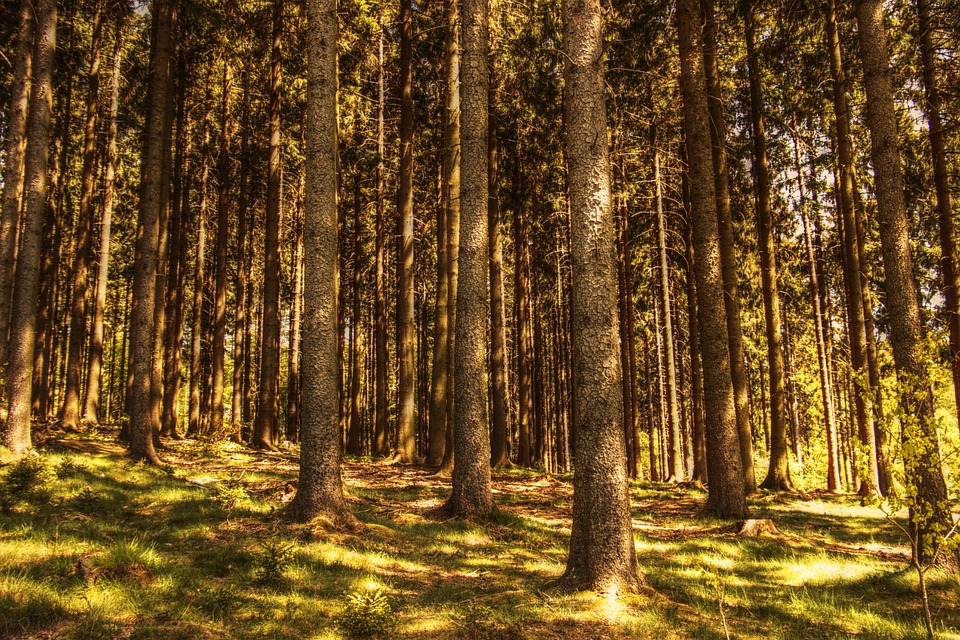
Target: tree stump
{"points": [[755, 528]]}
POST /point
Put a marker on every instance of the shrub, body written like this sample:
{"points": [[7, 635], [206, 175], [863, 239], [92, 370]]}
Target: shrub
{"points": [[367, 614]]}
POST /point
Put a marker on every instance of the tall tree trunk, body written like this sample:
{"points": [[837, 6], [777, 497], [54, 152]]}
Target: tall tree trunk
{"points": [[406, 400], [696, 373], [950, 279], [320, 490], [223, 246], [524, 341], [143, 416], [267, 422], [83, 240], [241, 319], [296, 320], [602, 555], [931, 513], [731, 297], [19, 370], [353, 430], [472, 495], [381, 441], [197, 379], [852, 266], [13, 168], [95, 360], [727, 496], [778, 473]]}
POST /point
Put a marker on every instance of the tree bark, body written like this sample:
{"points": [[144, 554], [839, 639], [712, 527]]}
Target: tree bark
{"points": [[381, 441], [727, 495], [223, 246], [268, 408], [931, 514], [602, 554], [320, 489], [197, 379], [19, 371], [241, 319]]}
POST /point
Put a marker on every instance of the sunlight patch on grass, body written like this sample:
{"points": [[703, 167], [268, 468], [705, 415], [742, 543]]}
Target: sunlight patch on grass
{"points": [[820, 569]]}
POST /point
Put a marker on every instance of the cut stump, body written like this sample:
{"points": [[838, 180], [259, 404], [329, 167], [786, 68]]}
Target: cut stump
{"points": [[755, 528]]}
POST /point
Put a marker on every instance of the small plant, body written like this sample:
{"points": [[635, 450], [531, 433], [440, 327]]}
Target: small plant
{"points": [[230, 495], [367, 614], [219, 602], [273, 559], [478, 622], [67, 468], [26, 480]]}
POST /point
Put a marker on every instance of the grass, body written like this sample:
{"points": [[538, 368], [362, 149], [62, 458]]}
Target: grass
{"points": [[105, 548]]}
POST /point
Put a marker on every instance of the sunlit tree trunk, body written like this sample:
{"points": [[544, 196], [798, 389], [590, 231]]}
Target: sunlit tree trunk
{"points": [[223, 239]]}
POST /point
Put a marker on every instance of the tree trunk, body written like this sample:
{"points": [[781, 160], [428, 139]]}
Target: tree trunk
{"points": [[197, 378], [143, 417], [223, 246], [241, 319], [727, 485], [602, 554], [320, 489], [268, 408], [778, 473], [696, 373], [13, 169], [95, 361], [19, 371], [406, 400], [296, 320], [381, 441], [353, 430], [931, 513], [731, 297], [472, 496]]}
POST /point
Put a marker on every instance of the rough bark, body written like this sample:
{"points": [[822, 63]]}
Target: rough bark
{"points": [[320, 489], [268, 408], [406, 337], [19, 371], [726, 498], [931, 514], [472, 495], [602, 554], [381, 441], [223, 246], [731, 297], [13, 169]]}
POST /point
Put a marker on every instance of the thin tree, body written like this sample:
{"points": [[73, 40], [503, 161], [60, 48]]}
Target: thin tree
{"points": [[602, 555], [320, 489], [727, 496], [472, 495], [381, 441], [19, 368], [223, 241]]}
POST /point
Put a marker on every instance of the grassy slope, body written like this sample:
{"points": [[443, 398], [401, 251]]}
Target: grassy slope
{"points": [[111, 549]]}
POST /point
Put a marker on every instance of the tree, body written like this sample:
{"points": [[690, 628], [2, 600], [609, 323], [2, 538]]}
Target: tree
{"points": [[931, 513], [143, 414], [223, 237], [320, 489], [472, 495], [727, 497], [19, 368], [602, 554]]}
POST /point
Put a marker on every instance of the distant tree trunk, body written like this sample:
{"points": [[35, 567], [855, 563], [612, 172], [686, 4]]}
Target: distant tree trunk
{"points": [[83, 240], [931, 513], [13, 168], [406, 400], [320, 489], [296, 320], [626, 310], [197, 378], [778, 473], [472, 496], [19, 370], [602, 554], [381, 441], [727, 485], [950, 279], [223, 246], [675, 467], [696, 373], [241, 320], [95, 361], [852, 266], [267, 422], [731, 297], [142, 414], [353, 430], [499, 447]]}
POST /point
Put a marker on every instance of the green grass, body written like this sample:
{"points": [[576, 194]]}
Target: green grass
{"points": [[105, 548]]}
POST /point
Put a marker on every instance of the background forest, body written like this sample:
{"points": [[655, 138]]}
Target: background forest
{"points": [[833, 391]]}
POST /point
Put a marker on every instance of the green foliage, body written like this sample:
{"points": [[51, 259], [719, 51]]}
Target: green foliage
{"points": [[230, 495], [25, 481], [367, 614], [273, 557], [219, 602]]}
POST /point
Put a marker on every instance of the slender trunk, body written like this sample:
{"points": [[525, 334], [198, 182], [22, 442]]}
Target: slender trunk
{"points": [[296, 319], [406, 400], [267, 422], [197, 379], [731, 298], [727, 496], [381, 441], [524, 340], [353, 431], [696, 374], [223, 238], [95, 361], [13, 169], [241, 319], [19, 371]]}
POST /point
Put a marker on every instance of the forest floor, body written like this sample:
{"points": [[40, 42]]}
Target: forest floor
{"points": [[93, 545]]}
